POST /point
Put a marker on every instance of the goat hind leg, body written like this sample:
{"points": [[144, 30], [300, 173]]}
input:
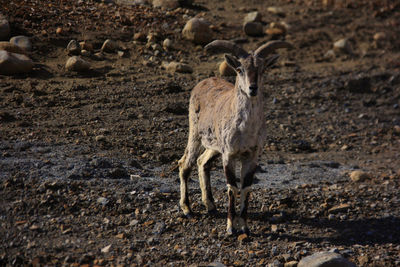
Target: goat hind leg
{"points": [[204, 165]]}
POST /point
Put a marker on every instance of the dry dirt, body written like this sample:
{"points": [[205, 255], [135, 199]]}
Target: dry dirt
{"points": [[88, 161]]}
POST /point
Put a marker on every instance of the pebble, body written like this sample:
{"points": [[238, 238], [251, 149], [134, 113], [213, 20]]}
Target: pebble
{"points": [[291, 264], [359, 176], [76, 63], [321, 259], [243, 238], [86, 46], [109, 46], [22, 41], [276, 29], [276, 10], [254, 16], [73, 48], [140, 36], [339, 208], [174, 67], [59, 31], [167, 44], [253, 28], [12, 63], [4, 27], [85, 53], [226, 70], [7, 46], [343, 46], [198, 31], [106, 249], [102, 200]]}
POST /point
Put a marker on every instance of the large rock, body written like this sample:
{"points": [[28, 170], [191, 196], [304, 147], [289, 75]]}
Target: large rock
{"points": [[168, 4], [9, 47], [22, 41], [343, 45], [254, 16], [325, 259], [253, 28], [78, 64], [198, 31], [4, 28], [177, 67], [359, 176], [12, 63]]}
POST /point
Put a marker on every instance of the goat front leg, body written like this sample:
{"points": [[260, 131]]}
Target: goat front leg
{"points": [[229, 169], [204, 164], [248, 169]]}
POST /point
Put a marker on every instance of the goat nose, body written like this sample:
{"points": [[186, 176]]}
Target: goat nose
{"points": [[253, 90]]}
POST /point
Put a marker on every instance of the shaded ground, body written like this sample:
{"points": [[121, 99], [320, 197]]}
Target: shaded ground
{"points": [[68, 139]]}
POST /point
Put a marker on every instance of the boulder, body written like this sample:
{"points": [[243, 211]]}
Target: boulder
{"points": [[177, 67], [343, 46], [325, 259], [78, 64], [198, 31], [254, 16], [359, 176], [12, 63], [253, 28], [9, 47], [4, 28], [168, 4], [23, 42]]}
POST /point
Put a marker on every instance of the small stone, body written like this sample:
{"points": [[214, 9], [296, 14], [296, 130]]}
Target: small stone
{"points": [[330, 54], [133, 222], [321, 259], [276, 29], [140, 36], [253, 28], [120, 236], [4, 27], [109, 46], [291, 264], [59, 31], [343, 46], [12, 63], [73, 48], [22, 41], [276, 10], [216, 264], [167, 44], [106, 249], [102, 200], [198, 31], [9, 47], [243, 238], [121, 54], [274, 228], [76, 63], [363, 260], [85, 53], [226, 70], [339, 208], [359, 176], [380, 36], [177, 67], [254, 16]]}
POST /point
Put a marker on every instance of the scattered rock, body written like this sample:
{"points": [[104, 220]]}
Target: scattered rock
{"points": [[86, 46], [276, 10], [330, 54], [59, 31], [99, 56], [359, 176], [226, 70], [276, 29], [198, 31], [102, 200], [9, 47], [109, 46], [167, 44], [325, 259], [177, 67], [85, 53], [254, 16], [22, 41], [168, 4], [12, 63], [140, 36], [4, 28], [243, 238], [339, 208], [253, 29], [76, 63], [73, 48], [106, 249], [291, 264], [343, 46]]}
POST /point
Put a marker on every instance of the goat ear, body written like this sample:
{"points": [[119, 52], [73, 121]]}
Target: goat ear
{"points": [[232, 61], [270, 61]]}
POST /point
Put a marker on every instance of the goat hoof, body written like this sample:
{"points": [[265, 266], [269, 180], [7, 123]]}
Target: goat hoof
{"points": [[245, 231], [189, 215], [231, 232]]}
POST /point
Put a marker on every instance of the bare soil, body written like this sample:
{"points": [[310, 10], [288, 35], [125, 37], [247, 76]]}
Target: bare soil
{"points": [[90, 160]]}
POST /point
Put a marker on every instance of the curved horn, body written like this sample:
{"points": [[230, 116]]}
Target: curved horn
{"points": [[270, 47], [222, 46]]}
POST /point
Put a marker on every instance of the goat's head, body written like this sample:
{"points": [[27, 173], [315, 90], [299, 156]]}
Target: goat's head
{"points": [[248, 66]]}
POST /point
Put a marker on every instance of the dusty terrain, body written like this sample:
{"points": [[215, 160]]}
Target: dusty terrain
{"points": [[88, 161]]}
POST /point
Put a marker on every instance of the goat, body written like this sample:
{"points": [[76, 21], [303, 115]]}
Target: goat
{"points": [[229, 120]]}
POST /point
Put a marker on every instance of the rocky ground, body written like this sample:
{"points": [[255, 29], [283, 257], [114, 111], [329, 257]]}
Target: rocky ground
{"points": [[88, 163]]}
